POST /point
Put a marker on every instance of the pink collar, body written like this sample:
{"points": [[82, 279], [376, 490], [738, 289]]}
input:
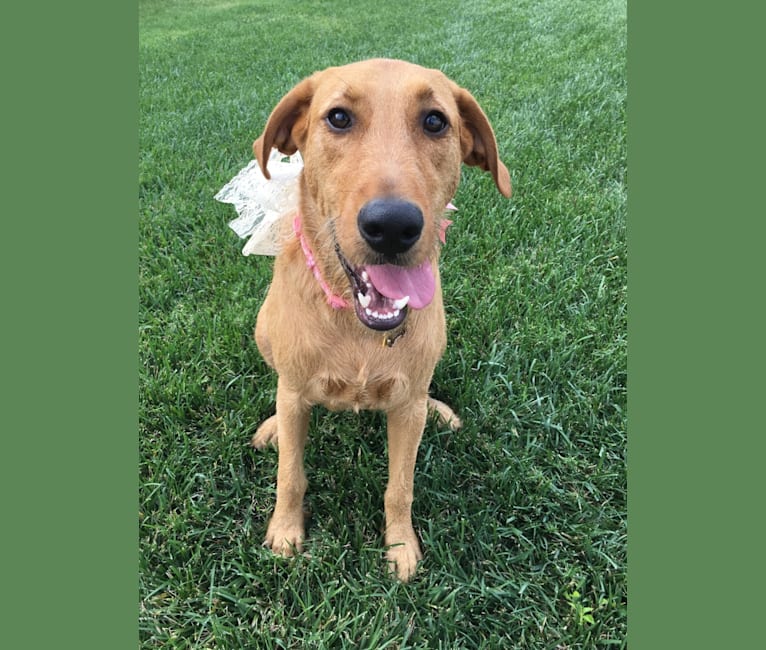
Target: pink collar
{"points": [[336, 302]]}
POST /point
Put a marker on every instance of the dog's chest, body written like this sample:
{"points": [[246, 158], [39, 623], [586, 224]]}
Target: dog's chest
{"points": [[364, 390]]}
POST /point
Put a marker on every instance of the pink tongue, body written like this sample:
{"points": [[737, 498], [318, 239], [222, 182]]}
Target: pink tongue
{"points": [[395, 282]]}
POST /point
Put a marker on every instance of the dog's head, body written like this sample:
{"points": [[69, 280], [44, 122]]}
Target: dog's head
{"points": [[382, 143]]}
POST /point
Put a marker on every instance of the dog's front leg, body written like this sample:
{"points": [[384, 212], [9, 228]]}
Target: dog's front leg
{"points": [[286, 528], [405, 428]]}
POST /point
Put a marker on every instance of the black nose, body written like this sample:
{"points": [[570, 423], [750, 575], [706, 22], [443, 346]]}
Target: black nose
{"points": [[390, 226]]}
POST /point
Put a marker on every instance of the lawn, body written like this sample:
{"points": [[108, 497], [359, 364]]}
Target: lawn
{"points": [[522, 513]]}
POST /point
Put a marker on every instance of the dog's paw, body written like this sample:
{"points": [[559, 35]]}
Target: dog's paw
{"points": [[403, 558], [444, 414], [284, 537], [266, 434]]}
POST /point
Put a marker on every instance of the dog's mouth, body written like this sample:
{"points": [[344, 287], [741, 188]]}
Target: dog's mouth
{"points": [[383, 293]]}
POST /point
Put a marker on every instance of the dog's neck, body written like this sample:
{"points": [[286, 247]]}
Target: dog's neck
{"points": [[335, 301]]}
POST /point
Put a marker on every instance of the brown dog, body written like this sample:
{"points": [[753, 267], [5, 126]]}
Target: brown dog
{"points": [[354, 318]]}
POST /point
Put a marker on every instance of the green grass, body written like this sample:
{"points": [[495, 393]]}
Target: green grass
{"points": [[523, 512]]}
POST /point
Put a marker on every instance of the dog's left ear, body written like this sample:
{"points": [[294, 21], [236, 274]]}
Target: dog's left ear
{"points": [[286, 126], [477, 140]]}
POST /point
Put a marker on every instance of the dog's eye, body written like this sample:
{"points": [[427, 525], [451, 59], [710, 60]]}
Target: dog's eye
{"points": [[338, 119], [435, 122]]}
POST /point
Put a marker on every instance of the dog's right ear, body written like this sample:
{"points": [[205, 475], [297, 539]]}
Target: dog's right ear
{"points": [[477, 140], [286, 126]]}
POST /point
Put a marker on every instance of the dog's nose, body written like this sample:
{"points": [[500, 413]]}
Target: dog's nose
{"points": [[390, 226]]}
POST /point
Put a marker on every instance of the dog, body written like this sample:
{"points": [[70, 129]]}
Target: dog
{"points": [[353, 318]]}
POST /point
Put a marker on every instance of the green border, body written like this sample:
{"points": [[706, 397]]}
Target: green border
{"points": [[70, 310], [695, 352]]}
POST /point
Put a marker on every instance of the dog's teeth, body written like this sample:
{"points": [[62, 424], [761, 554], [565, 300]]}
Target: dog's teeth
{"points": [[368, 311], [402, 302], [364, 300], [395, 314], [365, 277]]}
